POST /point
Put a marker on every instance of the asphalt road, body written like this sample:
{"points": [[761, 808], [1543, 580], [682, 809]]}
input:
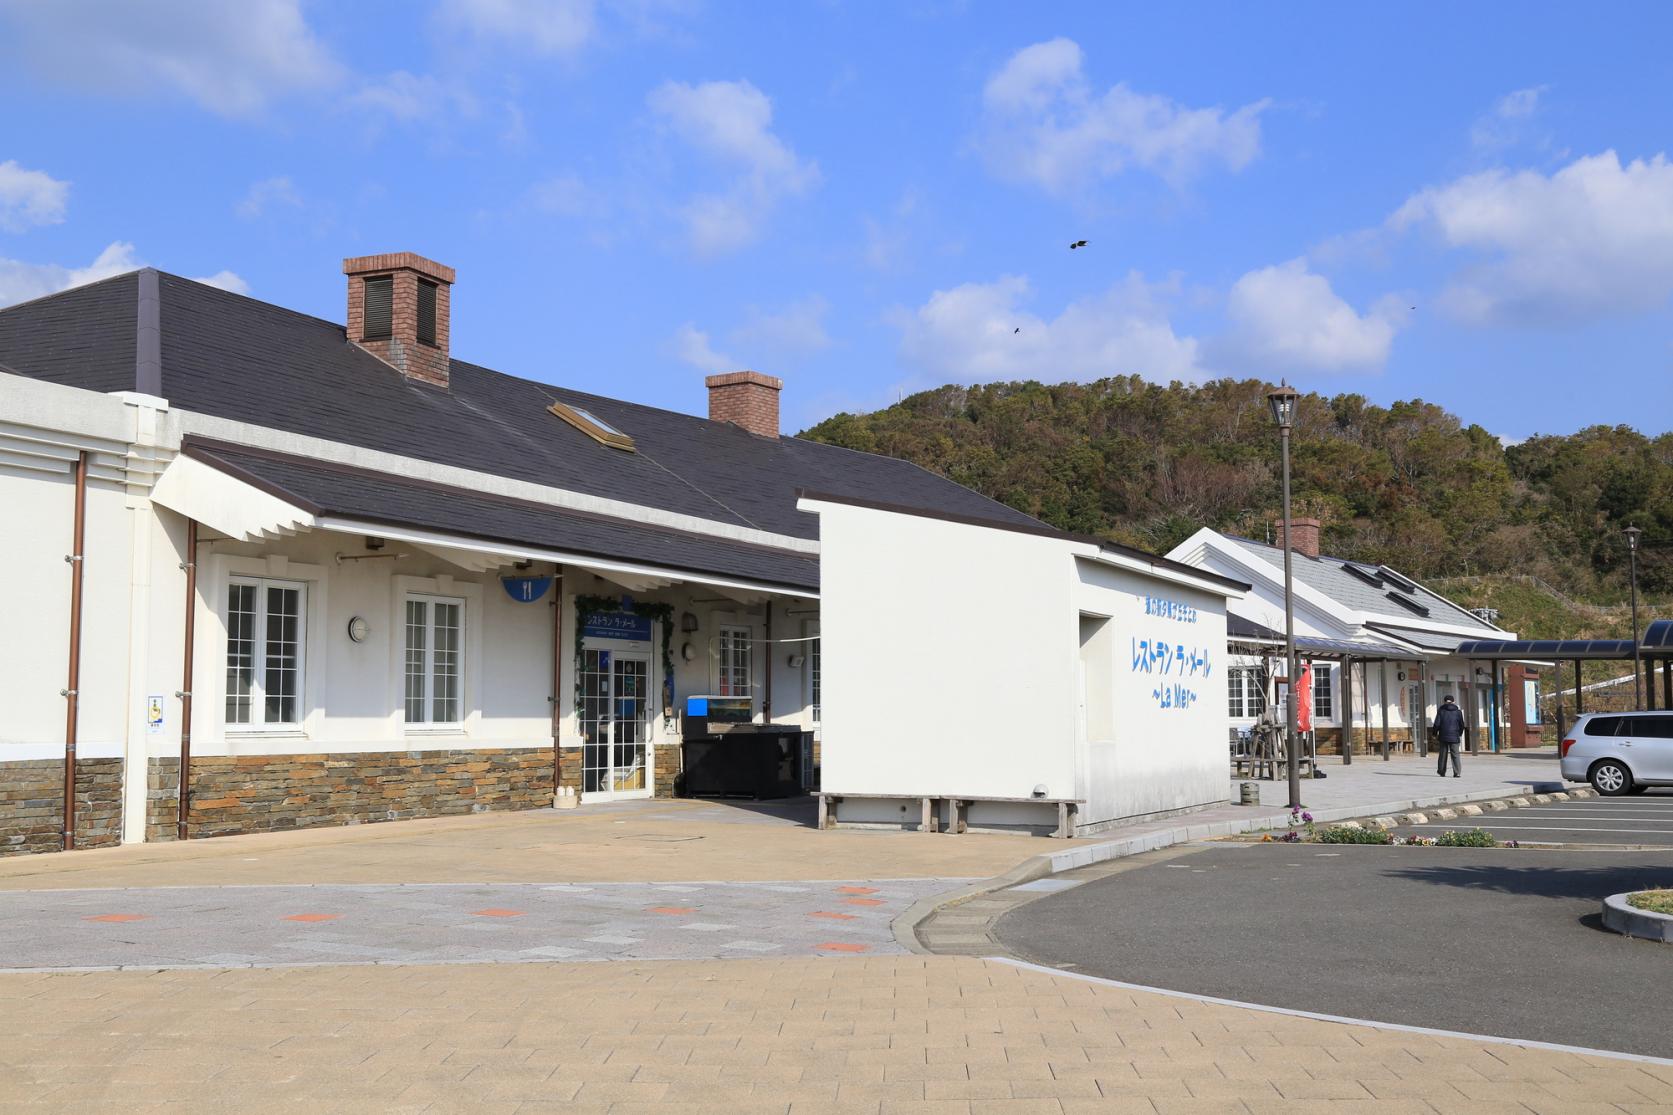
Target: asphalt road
{"points": [[1489, 941], [1635, 819]]}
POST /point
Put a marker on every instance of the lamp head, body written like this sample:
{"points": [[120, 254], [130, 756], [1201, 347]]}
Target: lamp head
{"points": [[1632, 534], [1282, 400]]}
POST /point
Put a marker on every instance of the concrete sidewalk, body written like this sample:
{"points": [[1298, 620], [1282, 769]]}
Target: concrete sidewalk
{"points": [[905, 1034]]}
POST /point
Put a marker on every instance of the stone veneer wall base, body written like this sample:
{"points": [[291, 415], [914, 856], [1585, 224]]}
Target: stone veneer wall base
{"points": [[275, 793], [32, 805]]}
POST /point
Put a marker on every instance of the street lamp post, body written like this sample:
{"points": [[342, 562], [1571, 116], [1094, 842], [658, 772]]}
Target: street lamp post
{"points": [[1283, 412], [1632, 534]]}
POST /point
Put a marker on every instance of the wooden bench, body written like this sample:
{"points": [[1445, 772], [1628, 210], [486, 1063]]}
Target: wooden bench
{"points": [[958, 807]]}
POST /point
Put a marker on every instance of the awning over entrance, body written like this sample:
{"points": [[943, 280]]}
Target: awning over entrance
{"points": [[1546, 648], [255, 495], [1347, 648]]}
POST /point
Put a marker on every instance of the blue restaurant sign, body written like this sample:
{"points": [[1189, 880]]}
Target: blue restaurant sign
{"points": [[526, 590], [618, 625]]}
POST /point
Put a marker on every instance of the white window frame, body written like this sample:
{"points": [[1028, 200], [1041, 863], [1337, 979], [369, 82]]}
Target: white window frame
{"points": [[258, 721], [1324, 676], [430, 723], [738, 635], [815, 683], [1244, 683]]}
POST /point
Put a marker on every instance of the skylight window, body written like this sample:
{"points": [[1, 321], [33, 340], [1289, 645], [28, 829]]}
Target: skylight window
{"points": [[593, 426], [1408, 603]]}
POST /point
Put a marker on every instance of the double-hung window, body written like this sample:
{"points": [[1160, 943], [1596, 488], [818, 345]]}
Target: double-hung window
{"points": [[1322, 692], [265, 621], [734, 662], [1245, 695], [435, 629]]}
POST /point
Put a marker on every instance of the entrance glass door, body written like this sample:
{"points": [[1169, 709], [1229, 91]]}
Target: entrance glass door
{"points": [[1417, 715], [615, 723]]}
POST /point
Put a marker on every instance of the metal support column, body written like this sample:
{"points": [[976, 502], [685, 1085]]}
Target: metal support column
{"points": [[1667, 683], [1382, 685], [1347, 711], [1579, 690], [1493, 727]]}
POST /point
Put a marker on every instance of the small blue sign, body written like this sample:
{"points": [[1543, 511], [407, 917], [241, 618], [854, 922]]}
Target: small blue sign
{"points": [[697, 706], [526, 590], [618, 625]]}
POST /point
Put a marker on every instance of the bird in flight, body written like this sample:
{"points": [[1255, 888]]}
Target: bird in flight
{"points": [[1018, 329], [1077, 244]]}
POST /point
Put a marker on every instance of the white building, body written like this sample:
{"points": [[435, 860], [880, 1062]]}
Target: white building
{"points": [[1394, 638], [347, 578]]}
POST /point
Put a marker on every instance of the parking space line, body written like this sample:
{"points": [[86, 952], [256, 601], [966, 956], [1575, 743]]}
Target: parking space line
{"points": [[1547, 828]]}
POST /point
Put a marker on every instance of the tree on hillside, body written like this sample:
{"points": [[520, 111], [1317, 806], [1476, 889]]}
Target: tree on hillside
{"points": [[1408, 485]]}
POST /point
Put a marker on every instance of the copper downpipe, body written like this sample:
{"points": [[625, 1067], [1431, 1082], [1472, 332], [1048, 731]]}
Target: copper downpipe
{"points": [[72, 692], [183, 795]]}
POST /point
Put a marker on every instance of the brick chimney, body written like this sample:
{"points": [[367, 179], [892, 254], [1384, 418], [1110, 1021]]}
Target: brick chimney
{"points": [[1306, 535], [398, 312], [747, 399]]}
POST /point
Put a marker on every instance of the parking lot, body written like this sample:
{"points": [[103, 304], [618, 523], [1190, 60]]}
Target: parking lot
{"points": [[1634, 821], [1479, 940]]}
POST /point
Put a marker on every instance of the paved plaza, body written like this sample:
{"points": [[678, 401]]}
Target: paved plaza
{"points": [[923, 1035], [680, 956], [452, 923]]}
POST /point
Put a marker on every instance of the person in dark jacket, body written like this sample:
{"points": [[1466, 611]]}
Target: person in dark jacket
{"points": [[1449, 732]]}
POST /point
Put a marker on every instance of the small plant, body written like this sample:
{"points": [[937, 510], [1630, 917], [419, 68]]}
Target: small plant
{"points": [[1417, 841], [1303, 819], [1342, 834], [1475, 838]]}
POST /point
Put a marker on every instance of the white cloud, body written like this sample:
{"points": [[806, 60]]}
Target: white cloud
{"points": [[731, 123], [30, 197], [233, 59], [1506, 124], [1286, 318], [979, 332], [549, 28], [1592, 239], [226, 280], [264, 195], [409, 98], [691, 345], [1044, 123], [796, 331], [21, 281]]}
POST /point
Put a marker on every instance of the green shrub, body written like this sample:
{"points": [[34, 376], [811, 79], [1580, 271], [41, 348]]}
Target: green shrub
{"points": [[1342, 834], [1475, 838]]}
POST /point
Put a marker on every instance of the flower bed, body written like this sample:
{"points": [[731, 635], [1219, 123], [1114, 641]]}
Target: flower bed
{"points": [[1304, 830]]}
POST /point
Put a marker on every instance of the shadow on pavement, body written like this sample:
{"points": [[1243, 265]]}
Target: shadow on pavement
{"points": [[1545, 882]]}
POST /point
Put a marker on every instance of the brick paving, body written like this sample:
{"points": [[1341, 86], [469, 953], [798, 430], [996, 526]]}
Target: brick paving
{"points": [[899, 1034], [430, 924]]}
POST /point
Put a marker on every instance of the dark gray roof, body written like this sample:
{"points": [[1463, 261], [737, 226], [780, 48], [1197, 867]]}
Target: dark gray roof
{"points": [[323, 488], [235, 357], [1428, 640], [1331, 576]]}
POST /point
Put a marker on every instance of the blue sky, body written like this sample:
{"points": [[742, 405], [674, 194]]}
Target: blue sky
{"points": [[1465, 203]]}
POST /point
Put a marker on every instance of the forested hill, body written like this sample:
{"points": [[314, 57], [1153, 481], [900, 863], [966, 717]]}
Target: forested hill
{"points": [[1409, 485]]}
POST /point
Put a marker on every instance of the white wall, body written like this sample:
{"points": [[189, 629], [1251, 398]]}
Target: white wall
{"points": [[1168, 747], [949, 657], [953, 660]]}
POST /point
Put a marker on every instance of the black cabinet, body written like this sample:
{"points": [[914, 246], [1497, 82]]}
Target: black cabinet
{"points": [[761, 763]]}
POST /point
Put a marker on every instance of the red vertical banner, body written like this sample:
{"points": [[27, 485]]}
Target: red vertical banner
{"points": [[1304, 700]]}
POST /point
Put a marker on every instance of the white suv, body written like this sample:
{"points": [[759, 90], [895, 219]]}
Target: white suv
{"points": [[1620, 752]]}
